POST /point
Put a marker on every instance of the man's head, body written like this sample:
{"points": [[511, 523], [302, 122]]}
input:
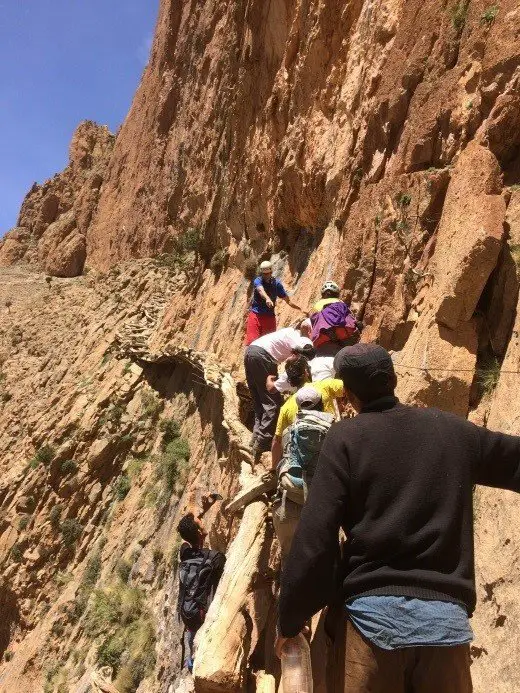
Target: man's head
{"points": [[367, 373], [266, 269], [305, 327], [191, 530], [309, 398], [330, 290], [297, 370]]}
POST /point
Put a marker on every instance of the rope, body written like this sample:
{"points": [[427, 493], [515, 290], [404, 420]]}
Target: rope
{"points": [[446, 370]]}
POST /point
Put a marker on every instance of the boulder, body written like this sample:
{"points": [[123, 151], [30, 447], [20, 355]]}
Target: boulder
{"points": [[469, 237]]}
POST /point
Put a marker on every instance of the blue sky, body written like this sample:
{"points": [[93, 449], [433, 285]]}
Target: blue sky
{"points": [[63, 61]]}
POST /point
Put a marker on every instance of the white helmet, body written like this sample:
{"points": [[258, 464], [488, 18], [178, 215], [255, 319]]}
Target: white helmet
{"points": [[265, 265], [331, 287]]}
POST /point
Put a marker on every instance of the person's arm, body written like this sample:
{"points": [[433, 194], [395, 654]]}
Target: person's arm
{"points": [[287, 299], [258, 286], [276, 451], [333, 387], [499, 462], [307, 582], [281, 383]]}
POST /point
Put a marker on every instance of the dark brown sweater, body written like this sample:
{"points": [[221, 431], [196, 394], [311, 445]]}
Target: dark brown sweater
{"points": [[399, 481]]}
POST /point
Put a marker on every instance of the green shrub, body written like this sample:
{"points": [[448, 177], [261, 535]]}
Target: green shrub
{"points": [[23, 522], [152, 406], [488, 376], [122, 487], [68, 467], [158, 555], [71, 531], [45, 454], [8, 655], [16, 553], [110, 651], [5, 396], [404, 200], [113, 414], [172, 463], [123, 570], [33, 463], [459, 13], [489, 15], [54, 516], [92, 571], [170, 429], [219, 260]]}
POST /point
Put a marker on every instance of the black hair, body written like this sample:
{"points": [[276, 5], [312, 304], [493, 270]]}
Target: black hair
{"points": [[297, 370], [307, 350], [189, 529]]}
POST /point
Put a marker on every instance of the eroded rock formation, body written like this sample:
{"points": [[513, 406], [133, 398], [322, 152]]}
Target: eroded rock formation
{"points": [[372, 141]]}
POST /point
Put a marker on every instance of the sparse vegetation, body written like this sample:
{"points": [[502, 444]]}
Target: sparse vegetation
{"points": [[24, 521], [5, 396], [219, 260], [488, 376], [68, 467], [71, 531], [172, 464], [123, 570], [55, 516], [122, 487], [515, 253], [119, 614], [489, 15], [158, 555], [459, 13], [16, 553], [185, 245], [8, 304], [152, 405], [404, 200], [45, 454], [113, 414], [8, 655], [171, 429]]}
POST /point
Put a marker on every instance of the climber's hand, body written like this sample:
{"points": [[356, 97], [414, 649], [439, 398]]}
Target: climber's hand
{"points": [[279, 644], [280, 641], [267, 476], [269, 303]]}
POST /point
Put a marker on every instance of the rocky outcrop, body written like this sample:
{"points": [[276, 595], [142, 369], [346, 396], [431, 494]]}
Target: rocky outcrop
{"points": [[55, 216]]}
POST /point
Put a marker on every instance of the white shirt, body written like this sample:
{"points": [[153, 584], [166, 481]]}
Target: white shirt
{"points": [[280, 344], [322, 367]]}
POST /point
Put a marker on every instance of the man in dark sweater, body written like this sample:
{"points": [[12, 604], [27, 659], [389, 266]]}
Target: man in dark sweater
{"points": [[399, 481]]}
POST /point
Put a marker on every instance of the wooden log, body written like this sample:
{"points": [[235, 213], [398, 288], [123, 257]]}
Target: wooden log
{"points": [[223, 643], [251, 493]]}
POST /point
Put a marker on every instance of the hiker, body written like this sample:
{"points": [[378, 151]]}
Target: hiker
{"points": [[261, 318], [301, 443], [329, 294], [333, 325], [398, 480], [321, 367], [299, 374], [200, 570], [261, 359]]}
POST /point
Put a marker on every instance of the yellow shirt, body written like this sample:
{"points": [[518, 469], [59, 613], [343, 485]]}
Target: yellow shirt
{"points": [[320, 305], [330, 389]]}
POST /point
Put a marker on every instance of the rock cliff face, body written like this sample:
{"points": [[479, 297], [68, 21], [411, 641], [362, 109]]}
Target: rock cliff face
{"points": [[375, 142]]}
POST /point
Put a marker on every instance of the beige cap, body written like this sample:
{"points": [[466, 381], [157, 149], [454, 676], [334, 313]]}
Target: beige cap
{"points": [[266, 265]]}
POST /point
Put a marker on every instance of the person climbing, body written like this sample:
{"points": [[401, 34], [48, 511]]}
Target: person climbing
{"points": [[261, 359], [200, 570], [301, 443], [333, 325], [329, 294], [261, 318], [399, 481], [299, 375]]}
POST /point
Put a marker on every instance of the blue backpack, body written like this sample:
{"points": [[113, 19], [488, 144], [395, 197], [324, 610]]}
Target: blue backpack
{"points": [[302, 443]]}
